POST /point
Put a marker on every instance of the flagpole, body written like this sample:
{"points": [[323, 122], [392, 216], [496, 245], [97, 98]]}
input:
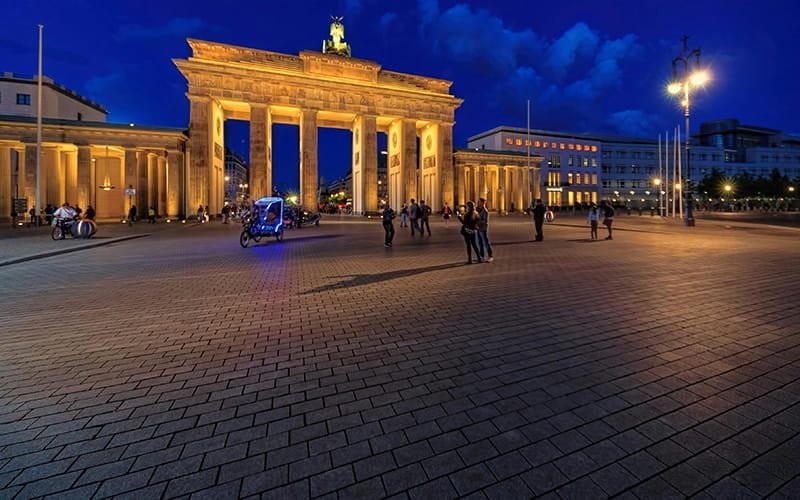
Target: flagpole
{"points": [[666, 174], [658, 184], [680, 174], [38, 197], [528, 142]]}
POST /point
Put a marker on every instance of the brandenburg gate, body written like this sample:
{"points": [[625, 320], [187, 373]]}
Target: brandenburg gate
{"points": [[318, 89]]}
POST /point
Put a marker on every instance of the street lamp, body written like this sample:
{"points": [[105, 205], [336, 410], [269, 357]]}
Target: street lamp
{"points": [[682, 82]]}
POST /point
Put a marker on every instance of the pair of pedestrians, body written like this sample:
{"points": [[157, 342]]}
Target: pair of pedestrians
{"points": [[594, 217], [475, 230], [419, 216]]}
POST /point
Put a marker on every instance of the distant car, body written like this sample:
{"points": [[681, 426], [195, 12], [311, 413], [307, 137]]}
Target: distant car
{"points": [[306, 218]]}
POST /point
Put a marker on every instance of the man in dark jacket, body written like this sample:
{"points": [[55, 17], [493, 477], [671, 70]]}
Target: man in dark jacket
{"points": [[538, 219], [388, 225]]}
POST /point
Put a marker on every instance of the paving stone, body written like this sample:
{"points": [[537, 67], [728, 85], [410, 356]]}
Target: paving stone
{"points": [[345, 398]]}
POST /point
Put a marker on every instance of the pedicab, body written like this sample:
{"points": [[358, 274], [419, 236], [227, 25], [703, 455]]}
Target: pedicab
{"points": [[266, 219]]}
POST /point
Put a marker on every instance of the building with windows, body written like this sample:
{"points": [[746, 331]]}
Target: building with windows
{"points": [[18, 98], [570, 163], [631, 171], [237, 177], [84, 160]]}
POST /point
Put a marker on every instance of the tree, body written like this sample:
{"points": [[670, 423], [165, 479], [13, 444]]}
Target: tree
{"points": [[711, 183]]}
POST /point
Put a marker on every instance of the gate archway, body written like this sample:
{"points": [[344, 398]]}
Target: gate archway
{"points": [[314, 90]]}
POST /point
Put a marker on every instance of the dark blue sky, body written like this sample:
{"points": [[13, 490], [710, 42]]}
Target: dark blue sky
{"points": [[586, 65]]}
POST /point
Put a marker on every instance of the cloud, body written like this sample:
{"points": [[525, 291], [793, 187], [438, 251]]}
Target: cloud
{"points": [[568, 78], [578, 42], [176, 27], [634, 122], [386, 21], [478, 39]]}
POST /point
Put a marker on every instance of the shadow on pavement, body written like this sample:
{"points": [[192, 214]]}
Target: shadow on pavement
{"points": [[366, 279]]}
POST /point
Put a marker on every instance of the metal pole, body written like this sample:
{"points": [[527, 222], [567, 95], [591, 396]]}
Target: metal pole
{"points": [[658, 185], [528, 142], [38, 197], [688, 182]]}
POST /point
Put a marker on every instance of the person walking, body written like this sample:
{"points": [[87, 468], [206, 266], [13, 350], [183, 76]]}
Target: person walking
{"points": [[424, 215], [469, 226], [90, 213], [226, 210], [483, 232], [413, 213], [131, 215], [446, 214], [200, 214], [151, 214], [594, 217], [538, 219], [388, 225], [608, 217], [404, 216]]}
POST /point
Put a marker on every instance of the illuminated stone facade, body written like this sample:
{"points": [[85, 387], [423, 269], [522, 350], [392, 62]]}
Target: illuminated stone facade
{"points": [[508, 181], [92, 163], [318, 90]]}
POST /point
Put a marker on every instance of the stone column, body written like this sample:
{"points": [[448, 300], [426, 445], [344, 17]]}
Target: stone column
{"points": [[444, 165], [462, 187], [201, 157], [518, 195], [365, 162], [30, 174], [408, 157], [129, 179], [5, 184], [85, 191], [152, 181], [260, 181], [141, 184], [309, 176], [537, 183], [501, 189], [481, 182], [174, 169], [70, 161], [161, 209]]}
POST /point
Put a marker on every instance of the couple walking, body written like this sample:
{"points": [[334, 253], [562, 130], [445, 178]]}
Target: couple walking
{"points": [[475, 229]]}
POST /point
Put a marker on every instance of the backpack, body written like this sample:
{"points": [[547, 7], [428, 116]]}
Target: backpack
{"points": [[609, 212]]}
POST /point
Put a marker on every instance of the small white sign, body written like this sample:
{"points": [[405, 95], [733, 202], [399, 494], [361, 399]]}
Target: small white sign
{"points": [[130, 192]]}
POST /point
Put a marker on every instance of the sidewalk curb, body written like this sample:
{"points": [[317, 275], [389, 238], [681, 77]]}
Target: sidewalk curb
{"points": [[70, 250]]}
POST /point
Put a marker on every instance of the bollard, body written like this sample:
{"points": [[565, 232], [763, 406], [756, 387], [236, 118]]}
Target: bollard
{"points": [[83, 228]]}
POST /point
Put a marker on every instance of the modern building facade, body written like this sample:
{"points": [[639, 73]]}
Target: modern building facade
{"points": [[580, 168], [570, 163]]}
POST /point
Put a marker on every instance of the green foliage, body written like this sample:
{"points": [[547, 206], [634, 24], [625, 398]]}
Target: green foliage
{"points": [[745, 185]]}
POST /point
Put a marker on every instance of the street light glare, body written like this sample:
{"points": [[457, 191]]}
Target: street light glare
{"points": [[673, 88], [699, 78]]}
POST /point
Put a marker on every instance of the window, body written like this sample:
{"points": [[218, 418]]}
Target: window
{"points": [[509, 141], [594, 161], [555, 161], [24, 99], [651, 170], [635, 184], [621, 169], [606, 154], [620, 154], [80, 116], [585, 161], [518, 142], [606, 169], [636, 154], [606, 184], [650, 155], [594, 178], [569, 178], [570, 160], [585, 178], [621, 184], [636, 169]]}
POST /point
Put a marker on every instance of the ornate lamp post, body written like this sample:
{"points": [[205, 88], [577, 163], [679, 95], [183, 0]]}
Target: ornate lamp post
{"points": [[683, 78]]}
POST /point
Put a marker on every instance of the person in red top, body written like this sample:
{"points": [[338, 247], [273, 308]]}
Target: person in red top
{"points": [[446, 213]]}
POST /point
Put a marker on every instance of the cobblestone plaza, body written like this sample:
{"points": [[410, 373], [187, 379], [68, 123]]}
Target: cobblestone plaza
{"points": [[663, 363]]}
